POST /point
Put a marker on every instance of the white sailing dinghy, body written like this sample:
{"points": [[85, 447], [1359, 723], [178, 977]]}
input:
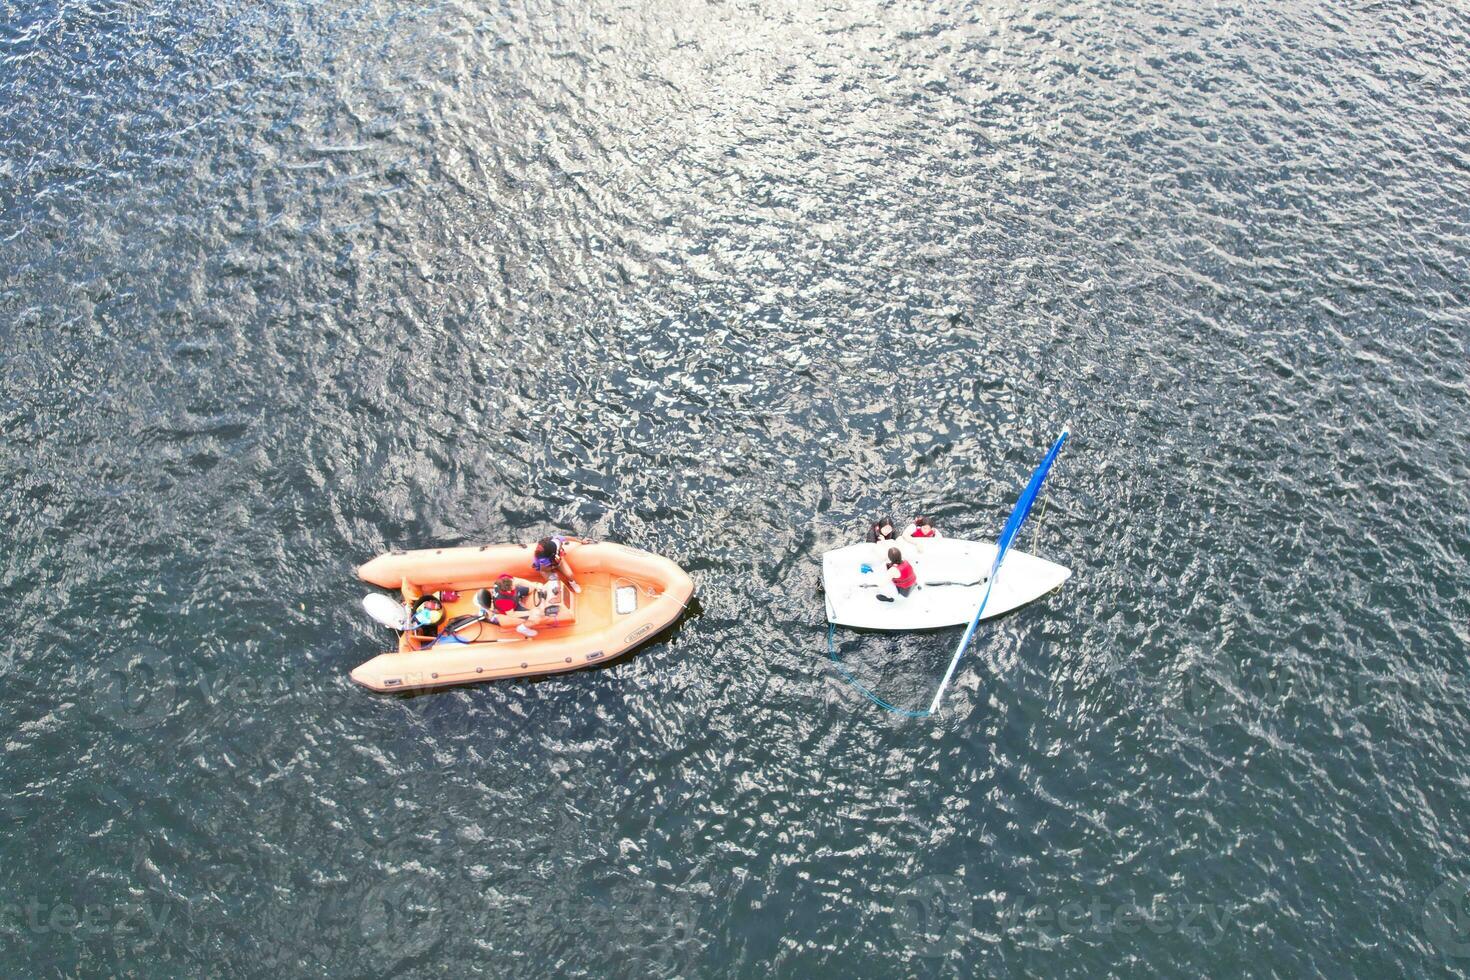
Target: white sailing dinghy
{"points": [[959, 582], [952, 574]]}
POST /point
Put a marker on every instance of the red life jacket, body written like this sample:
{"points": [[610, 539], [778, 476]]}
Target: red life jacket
{"points": [[507, 602], [923, 532], [904, 576]]}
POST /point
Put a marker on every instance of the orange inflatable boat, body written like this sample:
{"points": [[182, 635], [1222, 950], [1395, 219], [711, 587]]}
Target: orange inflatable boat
{"points": [[627, 597]]}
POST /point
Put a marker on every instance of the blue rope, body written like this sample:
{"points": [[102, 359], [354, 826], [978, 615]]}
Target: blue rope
{"points": [[832, 651]]}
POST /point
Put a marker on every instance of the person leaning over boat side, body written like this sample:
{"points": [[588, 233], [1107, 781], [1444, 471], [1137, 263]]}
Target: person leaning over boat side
{"points": [[921, 528], [550, 559], [882, 530], [507, 599], [904, 576]]}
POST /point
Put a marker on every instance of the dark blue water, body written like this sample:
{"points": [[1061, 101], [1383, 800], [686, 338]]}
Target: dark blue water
{"points": [[285, 284]]}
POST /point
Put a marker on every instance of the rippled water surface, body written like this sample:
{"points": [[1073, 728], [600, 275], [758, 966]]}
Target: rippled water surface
{"points": [[285, 284]]}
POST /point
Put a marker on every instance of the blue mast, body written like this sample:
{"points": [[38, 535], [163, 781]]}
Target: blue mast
{"points": [[1003, 544]]}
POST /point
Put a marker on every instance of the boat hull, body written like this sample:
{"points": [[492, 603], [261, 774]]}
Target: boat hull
{"points": [[951, 583], [628, 597]]}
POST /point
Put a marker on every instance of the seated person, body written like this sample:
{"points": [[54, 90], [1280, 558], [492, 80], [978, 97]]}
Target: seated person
{"points": [[904, 576], [550, 559], [507, 598], [921, 528], [882, 530]]}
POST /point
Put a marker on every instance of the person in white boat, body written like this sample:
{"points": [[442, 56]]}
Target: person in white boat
{"points": [[921, 528], [883, 529], [902, 573]]}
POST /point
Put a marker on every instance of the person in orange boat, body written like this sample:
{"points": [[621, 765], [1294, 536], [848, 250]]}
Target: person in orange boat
{"points": [[550, 559], [508, 599]]}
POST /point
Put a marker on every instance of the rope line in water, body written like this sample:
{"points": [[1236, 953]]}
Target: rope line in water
{"points": [[847, 675]]}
